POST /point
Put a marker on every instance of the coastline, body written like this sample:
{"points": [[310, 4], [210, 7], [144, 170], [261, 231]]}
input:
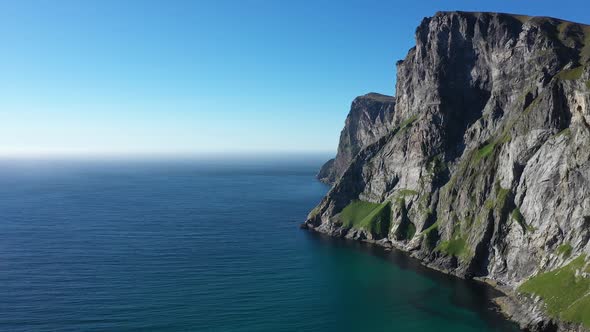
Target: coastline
{"points": [[527, 313], [476, 165]]}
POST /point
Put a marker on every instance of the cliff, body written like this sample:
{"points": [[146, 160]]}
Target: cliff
{"points": [[480, 166], [370, 118]]}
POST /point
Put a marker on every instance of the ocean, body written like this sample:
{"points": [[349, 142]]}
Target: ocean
{"points": [[204, 245]]}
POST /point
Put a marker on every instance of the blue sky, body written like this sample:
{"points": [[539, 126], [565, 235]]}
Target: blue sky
{"points": [[167, 77]]}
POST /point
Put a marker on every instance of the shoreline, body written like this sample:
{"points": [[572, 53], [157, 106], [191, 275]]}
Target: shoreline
{"points": [[525, 312]]}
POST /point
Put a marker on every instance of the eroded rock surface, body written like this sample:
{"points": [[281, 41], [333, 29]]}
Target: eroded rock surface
{"points": [[370, 118], [484, 153]]}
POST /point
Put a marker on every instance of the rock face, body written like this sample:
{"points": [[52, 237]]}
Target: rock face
{"points": [[370, 118], [483, 156]]}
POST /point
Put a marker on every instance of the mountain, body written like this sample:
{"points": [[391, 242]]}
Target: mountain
{"points": [[370, 118], [480, 165]]}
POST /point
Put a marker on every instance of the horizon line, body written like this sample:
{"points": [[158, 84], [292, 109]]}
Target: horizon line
{"points": [[139, 154]]}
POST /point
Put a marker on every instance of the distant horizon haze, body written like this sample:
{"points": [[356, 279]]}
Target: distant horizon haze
{"points": [[161, 155], [108, 78]]}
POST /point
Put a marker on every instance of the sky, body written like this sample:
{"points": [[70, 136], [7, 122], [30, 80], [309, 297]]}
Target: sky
{"points": [[204, 77]]}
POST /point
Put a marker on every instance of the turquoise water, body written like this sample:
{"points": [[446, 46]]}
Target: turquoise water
{"points": [[203, 246]]}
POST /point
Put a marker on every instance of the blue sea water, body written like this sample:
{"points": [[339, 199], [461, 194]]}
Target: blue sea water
{"points": [[193, 245]]}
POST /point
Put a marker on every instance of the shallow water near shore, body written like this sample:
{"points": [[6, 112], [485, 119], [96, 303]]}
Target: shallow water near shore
{"points": [[199, 245]]}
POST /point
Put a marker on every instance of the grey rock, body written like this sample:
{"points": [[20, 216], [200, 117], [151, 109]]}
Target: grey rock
{"points": [[485, 151], [369, 119]]}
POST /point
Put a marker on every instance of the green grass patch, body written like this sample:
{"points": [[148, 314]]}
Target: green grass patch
{"points": [[314, 212], [564, 291], [516, 215], [406, 192], [566, 131], [432, 228], [579, 311], [565, 250], [505, 138], [371, 217], [485, 151], [430, 235], [436, 165], [407, 231], [408, 122], [356, 211], [489, 204], [571, 74], [503, 198], [585, 52], [455, 247], [532, 105]]}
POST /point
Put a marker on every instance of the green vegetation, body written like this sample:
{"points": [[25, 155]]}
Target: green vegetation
{"points": [[503, 195], [565, 291], [565, 250], [568, 34], [566, 131], [585, 52], [532, 105], [456, 247], [406, 231], [579, 311], [522, 18], [503, 198], [314, 212], [562, 26], [505, 138], [406, 192], [571, 74], [588, 85], [356, 211], [436, 165], [516, 215], [431, 235], [371, 217], [408, 122], [486, 150], [433, 227]]}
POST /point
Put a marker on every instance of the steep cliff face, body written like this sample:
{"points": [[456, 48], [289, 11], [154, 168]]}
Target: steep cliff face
{"points": [[370, 117], [484, 168]]}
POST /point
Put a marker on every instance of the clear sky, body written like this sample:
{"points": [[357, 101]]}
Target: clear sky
{"points": [[152, 77]]}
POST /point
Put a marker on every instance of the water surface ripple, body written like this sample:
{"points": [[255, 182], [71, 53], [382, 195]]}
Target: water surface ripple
{"points": [[203, 246]]}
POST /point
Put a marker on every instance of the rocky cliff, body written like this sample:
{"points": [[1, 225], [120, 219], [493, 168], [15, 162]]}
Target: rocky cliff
{"points": [[480, 167], [370, 118]]}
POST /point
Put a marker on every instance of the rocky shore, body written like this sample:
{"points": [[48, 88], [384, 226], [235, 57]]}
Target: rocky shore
{"points": [[480, 165]]}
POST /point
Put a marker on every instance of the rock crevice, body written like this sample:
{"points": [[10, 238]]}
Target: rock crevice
{"points": [[482, 156]]}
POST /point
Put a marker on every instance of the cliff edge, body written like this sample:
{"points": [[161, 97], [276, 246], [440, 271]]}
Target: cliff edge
{"points": [[480, 165]]}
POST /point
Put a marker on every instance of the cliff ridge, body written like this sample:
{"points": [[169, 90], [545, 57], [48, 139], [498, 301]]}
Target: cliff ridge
{"points": [[480, 164]]}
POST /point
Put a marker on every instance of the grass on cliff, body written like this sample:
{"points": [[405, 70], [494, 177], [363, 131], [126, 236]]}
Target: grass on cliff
{"points": [[400, 195], [455, 247], [516, 215], [371, 217], [484, 151], [571, 74], [565, 250], [585, 52], [430, 235], [565, 291], [566, 131], [408, 122], [406, 231]]}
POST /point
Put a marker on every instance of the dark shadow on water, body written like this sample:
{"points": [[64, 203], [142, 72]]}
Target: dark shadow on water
{"points": [[468, 294]]}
